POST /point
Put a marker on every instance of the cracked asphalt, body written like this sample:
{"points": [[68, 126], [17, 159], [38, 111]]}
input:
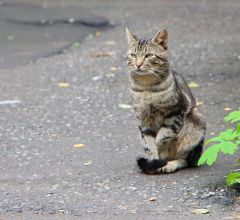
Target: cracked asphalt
{"points": [[63, 81]]}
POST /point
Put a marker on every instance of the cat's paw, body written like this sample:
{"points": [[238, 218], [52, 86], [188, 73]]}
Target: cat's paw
{"points": [[173, 166], [169, 168]]}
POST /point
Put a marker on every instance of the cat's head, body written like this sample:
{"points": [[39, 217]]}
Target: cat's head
{"points": [[148, 56]]}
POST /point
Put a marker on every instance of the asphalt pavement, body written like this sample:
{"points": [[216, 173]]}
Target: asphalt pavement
{"points": [[69, 136]]}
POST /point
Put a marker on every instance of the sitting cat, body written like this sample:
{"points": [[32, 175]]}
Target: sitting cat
{"points": [[171, 126]]}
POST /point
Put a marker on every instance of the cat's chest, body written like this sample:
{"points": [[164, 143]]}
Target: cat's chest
{"points": [[152, 102], [151, 108]]}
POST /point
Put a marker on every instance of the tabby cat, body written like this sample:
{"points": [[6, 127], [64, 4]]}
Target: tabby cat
{"points": [[170, 123]]}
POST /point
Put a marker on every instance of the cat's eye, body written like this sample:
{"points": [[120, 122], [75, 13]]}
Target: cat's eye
{"points": [[133, 55], [149, 55]]}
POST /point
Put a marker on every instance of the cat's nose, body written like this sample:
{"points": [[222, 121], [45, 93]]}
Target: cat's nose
{"points": [[138, 65]]}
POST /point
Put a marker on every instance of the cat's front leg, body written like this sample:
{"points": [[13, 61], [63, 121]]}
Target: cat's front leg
{"points": [[149, 137], [152, 164], [169, 130]]}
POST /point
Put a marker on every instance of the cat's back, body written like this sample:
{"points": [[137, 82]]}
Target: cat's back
{"points": [[184, 89]]}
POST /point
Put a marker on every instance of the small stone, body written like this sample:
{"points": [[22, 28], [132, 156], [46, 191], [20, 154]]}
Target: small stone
{"points": [[132, 188], [17, 209], [211, 193], [205, 196]]}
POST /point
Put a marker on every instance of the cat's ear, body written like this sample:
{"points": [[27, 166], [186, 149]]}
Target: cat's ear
{"points": [[161, 38], [130, 36]]}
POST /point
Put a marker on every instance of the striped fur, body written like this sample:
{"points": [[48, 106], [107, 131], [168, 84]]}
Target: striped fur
{"points": [[171, 126]]}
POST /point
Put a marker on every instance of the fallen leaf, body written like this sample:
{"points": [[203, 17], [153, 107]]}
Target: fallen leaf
{"points": [[90, 36], [193, 85], [76, 44], [98, 33], [96, 78], [101, 54], [232, 217], [91, 211], [89, 162], [78, 145], [124, 106], [63, 85], [113, 68], [110, 42], [152, 199], [10, 102], [200, 211], [10, 37], [227, 109]]}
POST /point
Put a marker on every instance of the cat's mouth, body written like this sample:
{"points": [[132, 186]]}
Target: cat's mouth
{"points": [[142, 72]]}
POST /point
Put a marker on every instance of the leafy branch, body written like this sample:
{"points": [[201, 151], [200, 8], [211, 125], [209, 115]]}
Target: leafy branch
{"points": [[227, 142]]}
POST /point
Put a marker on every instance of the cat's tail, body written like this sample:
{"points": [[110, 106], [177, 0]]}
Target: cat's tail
{"points": [[150, 166]]}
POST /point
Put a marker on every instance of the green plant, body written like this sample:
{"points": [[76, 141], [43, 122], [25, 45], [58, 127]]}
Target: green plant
{"points": [[227, 142]]}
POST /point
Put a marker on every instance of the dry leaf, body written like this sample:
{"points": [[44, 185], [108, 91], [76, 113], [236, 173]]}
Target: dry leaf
{"points": [[227, 109], [193, 85], [232, 217], [10, 37], [10, 102], [63, 85], [110, 42], [98, 33], [152, 199], [78, 145], [76, 44], [113, 68], [89, 162], [96, 78], [101, 54], [124, 106], [200, 211]]}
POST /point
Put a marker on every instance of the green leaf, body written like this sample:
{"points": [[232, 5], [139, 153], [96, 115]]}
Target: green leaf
{"points": [[233, 116], [228, 147], [76, 44], [233, 178], [214, 139], [238, 129], [228, 134], [210, 155], [238, 142]]}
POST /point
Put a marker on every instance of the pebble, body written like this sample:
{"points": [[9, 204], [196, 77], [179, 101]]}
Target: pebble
{"points": [[211, 193], [132, 188], [17, 208]]}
